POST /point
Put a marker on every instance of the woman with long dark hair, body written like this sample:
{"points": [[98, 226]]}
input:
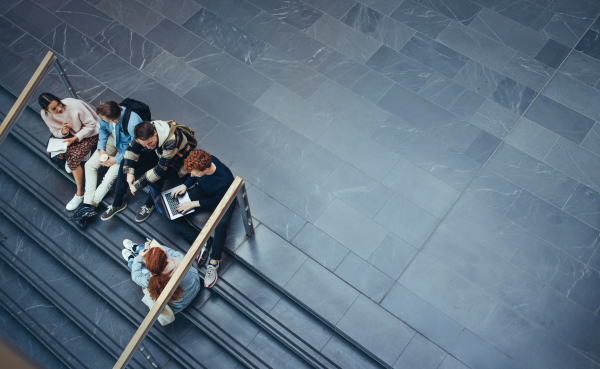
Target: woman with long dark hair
{"points": [[78, 124], [153, 267]]}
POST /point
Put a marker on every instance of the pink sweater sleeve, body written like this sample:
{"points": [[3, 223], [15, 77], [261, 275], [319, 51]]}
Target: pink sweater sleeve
{"points": [[55, 128], [90, 122]]}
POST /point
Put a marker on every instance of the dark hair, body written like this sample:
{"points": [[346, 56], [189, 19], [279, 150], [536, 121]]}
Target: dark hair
{"points": [[156, 262], [144, 130], [109, 109], [46, 98], [197, 160]]}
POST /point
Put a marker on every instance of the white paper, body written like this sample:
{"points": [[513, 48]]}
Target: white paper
{"points": [[56, 145]]}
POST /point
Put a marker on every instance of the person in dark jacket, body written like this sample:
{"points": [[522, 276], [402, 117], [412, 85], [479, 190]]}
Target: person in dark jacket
{"points": [[209, 181]]}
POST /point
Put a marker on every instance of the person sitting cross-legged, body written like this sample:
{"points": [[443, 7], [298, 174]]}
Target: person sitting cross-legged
{"points": [[209, 181], [154, 155], [153, 267]]}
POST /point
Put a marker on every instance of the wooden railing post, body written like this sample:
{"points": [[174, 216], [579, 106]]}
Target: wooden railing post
{"points": [[183, 268], [30, 88]]}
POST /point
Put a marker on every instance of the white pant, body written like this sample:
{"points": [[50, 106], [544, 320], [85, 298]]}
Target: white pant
{"points": [[92, 194]]}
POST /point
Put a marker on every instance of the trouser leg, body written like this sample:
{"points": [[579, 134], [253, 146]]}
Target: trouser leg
{"points": [[221, 235], [111, 174], [146, 161], [91, 178]]}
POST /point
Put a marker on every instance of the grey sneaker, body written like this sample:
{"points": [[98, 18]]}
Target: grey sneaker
{"points": [[210, 278], [144, 213], [127, 254], [130, 245], [112, 210]]}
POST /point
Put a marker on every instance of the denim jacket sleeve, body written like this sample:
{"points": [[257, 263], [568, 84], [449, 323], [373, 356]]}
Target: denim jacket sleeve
{"points": [[141, 279], [127, 137], [103, 133]]}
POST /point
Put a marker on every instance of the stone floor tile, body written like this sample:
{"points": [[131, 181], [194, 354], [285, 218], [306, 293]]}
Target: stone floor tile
{"points": [[331, 301], [493, 191], [291, 189], [234, 41], [575, 161], [451, 363], [230, 319], [554, 225], [461, 11], [552, 54], [456, 169], [368, 324], [560, 271], [565, 29], [84, 17], [319, 246], [532, 138], [528, 71], [584, 204], [494, 119], [485, 226], [452, 96], [268, 348], [342, 69], [477, 353], [236, 12], [525, 12], [294, 12], [372, 86], [508, 32], [400, 68], [535, 176], [376, 25], [364, 277], [132, 14], [476, 46], [178, 11], [589, 44], [166, 31], [271, 256], [174, 74], [420, 18], [483, 146], [29, 48], [335, 8], [574, 94], [120, 76], [420, 315], [449, 292], [10, 31], [582, 68], [407, 220], [357, 189], [294, 111], [7, 5], [351, 228], [228, 71], [497, 276], [344, 38], [273, 215], [392, 256], [32, 18], [128, 45], [345, 354], [253, 286], [421, 188], [76, 47], [434, 55], [421, 353]]}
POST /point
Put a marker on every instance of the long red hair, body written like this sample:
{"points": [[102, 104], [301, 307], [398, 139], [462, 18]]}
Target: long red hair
{"points": [[156, 262]]}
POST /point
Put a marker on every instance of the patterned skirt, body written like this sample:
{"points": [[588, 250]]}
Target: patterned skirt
{"points": [[78, 150]]}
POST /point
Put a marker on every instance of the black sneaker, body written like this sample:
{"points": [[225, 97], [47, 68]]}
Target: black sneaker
{"points": [[201, 260], [112, 210], [83, 212], [144, 213]]}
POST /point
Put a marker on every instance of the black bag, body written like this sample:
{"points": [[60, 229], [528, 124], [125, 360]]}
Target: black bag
{"points": [[139, 107]]}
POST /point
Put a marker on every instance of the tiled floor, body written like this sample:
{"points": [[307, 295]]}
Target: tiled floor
{"points": [[432, 161]]}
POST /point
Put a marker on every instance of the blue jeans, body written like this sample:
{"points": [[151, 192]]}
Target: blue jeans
{"points": [[139, 248]]}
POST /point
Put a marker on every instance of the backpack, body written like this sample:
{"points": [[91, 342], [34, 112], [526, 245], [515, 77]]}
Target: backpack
{"points": [[139, 107], [189, 133]]}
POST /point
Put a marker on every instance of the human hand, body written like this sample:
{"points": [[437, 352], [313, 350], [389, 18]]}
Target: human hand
{"points": [[144, 251], [102, 152], [132, 189], [178, 191], [184, 207], [65, 128], [70, 141], [130, 178], [109, 162]]}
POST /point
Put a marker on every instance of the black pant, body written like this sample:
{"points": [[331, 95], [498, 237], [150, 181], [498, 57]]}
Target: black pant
{"points": [[146, 161], [190, 234]]}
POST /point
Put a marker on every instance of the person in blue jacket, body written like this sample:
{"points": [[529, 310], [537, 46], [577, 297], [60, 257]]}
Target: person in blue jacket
{"points": [[112, 144], [153, 267]]}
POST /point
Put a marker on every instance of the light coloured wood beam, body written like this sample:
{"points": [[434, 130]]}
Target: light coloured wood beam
{"points": [[30, 88], [183, 268]]}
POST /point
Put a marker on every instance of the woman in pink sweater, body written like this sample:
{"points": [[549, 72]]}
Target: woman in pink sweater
{"points": [[78, 123]]}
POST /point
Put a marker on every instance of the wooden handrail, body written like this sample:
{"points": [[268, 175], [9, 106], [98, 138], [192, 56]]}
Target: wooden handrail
{"points": [[183, 268], [29, 89]]}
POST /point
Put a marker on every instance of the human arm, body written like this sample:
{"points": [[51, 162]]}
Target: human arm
{"points": [[141, 279], [170, 153], [134, 120], [103, 133], [88, 118], [54, 126]]}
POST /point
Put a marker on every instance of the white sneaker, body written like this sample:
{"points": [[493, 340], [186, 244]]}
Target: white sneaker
{"points": [[210, 278], [67, 169], [127, 254], [130, 245], [74, 203]]}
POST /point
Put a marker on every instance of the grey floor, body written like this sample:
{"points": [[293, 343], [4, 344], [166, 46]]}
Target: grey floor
{"points": [[433, 161]]}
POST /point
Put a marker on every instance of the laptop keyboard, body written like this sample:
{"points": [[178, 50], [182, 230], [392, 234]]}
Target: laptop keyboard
{"points": [[172, 203]]}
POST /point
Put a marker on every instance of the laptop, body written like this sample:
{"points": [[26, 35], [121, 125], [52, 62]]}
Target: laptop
{"points": [[167, 205]]}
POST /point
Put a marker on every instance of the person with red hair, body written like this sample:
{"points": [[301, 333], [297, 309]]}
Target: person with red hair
{"points": [[209, 181], [153, 267]]}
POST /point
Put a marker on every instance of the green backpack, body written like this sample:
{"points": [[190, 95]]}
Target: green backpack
{"points": [[187, 131]]}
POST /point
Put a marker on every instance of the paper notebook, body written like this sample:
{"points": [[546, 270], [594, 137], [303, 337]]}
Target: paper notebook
{"points": [[57, 146]]}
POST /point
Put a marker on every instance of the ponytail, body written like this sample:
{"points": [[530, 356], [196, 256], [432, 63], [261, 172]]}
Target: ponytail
{"points": [[156, 262]]}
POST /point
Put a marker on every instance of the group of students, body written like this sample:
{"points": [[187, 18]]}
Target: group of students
{"points": [[140, 153]]}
